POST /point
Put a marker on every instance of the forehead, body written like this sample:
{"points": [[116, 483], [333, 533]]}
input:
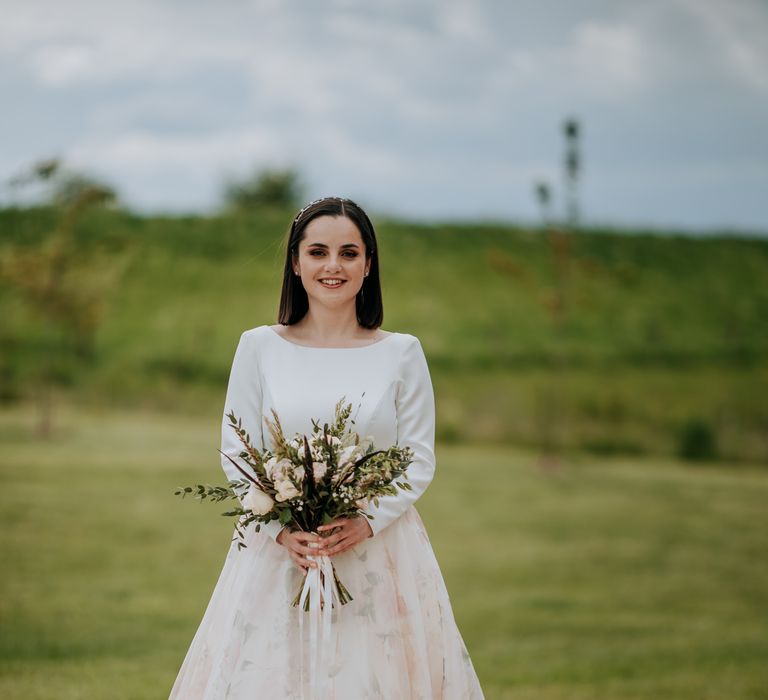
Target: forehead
{"points": [[331, 231]]}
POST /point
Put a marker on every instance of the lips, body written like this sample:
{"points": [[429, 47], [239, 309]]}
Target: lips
{"points": [[332, 282]]}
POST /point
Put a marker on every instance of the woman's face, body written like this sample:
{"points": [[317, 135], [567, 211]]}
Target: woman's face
{"points": [[331, 260]]}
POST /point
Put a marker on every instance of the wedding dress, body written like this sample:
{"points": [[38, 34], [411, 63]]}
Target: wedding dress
{"points": [[397, 639]]}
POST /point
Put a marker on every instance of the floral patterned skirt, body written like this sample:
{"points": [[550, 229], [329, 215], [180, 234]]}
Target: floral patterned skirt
{"points": [[397, 639]]}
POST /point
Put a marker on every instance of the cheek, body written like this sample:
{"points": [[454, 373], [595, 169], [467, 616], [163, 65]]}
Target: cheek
{"points": [[310, 261]]}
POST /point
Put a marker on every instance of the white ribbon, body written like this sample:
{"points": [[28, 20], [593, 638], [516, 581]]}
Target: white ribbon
{"points": [[323, 594]]}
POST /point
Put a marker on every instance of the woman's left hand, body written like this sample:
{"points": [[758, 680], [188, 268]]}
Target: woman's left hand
{"points": [[349, 532]]}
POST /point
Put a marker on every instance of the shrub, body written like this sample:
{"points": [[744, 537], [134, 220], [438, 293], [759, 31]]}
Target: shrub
{"points": [[697, 440]]}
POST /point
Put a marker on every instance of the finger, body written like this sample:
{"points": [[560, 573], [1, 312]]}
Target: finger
{"points": [[301, 561], [296, 559], [304, 570], [304, 553], [340, 547], [307, 550], [307, 557], [339, 551], [331, 540], [306, 537], [339, 522]]}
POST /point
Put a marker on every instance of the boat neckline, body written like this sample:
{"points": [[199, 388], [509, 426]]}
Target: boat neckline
{"points": [[319, 347]]}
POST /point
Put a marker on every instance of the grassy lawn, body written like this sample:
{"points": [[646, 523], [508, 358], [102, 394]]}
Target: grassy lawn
{"points": [[617, 348], [608, 579]]}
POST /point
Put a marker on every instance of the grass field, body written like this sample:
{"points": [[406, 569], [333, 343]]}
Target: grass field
{"points": [[655, 335], [587, 579]]}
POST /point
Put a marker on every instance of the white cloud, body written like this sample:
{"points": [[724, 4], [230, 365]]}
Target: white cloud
{"points": [[604, 60], [145, 152], [102, 42], [463, 21], [443, 101], [62, 64], [612, 56], [740, 30]]}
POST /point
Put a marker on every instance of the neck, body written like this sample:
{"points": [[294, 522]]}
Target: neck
{"points": [[326, 325]]}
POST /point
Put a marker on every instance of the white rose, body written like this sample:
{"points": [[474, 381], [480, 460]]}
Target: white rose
{"points": [[298, 473], [361, 503], [319, 469], [333, 440], [269, 465], [277, 468], [257, 501], [285, 490]]}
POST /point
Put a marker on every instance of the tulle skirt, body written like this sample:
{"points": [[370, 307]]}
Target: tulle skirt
{"points": [[397, 639]]}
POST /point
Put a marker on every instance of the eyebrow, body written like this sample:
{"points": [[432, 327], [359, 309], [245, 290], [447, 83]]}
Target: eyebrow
{"points": [[322, 245]]}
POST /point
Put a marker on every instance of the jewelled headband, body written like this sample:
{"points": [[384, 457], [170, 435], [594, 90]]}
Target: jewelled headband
{"points": [[316, 201]]}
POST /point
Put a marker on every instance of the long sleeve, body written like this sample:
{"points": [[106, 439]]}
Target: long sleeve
{"points": [[415, 406], [244, 399]]}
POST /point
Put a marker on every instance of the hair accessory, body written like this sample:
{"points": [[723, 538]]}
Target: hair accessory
{"points": [[315, 201], [305, 207]]}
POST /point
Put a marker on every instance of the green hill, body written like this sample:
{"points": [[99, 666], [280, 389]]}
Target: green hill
{"points": [[609, 341]]}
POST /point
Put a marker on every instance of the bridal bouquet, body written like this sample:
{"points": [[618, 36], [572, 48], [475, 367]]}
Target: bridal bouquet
{"points": [[308, 481]]}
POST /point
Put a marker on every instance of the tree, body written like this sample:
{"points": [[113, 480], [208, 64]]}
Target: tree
{"points": [[557, 302], [62, 283], [572, 170], [544, 198], [78, 189], [60, 186], [265, 188]]}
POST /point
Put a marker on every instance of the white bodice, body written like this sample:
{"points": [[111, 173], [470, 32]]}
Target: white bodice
{"points": [[387, 383]]}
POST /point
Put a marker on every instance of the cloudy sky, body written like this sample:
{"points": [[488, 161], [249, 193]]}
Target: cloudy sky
{"points": [[422, 108]]}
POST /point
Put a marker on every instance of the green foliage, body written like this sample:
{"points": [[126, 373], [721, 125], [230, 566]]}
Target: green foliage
{"points": [[280, 189], [62, 187], [61, 283], [697, 440], [75, 187], [611, 351], [214, 493]]}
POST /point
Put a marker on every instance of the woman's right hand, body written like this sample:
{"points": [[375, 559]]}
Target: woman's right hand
{"points": [[299, 544]]}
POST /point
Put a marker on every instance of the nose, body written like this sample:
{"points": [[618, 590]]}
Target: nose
{"points": [[332, 264]]}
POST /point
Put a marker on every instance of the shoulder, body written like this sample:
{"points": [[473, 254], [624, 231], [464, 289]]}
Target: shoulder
{"points": [[411, 354], [257, 332], [252, 339], [407, 340]]}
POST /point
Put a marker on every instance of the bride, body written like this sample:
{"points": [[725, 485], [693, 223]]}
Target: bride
{"points": [[397, 639]]}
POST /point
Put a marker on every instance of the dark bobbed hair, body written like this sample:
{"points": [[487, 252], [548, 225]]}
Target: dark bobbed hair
{"points": [[294, 303]]}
